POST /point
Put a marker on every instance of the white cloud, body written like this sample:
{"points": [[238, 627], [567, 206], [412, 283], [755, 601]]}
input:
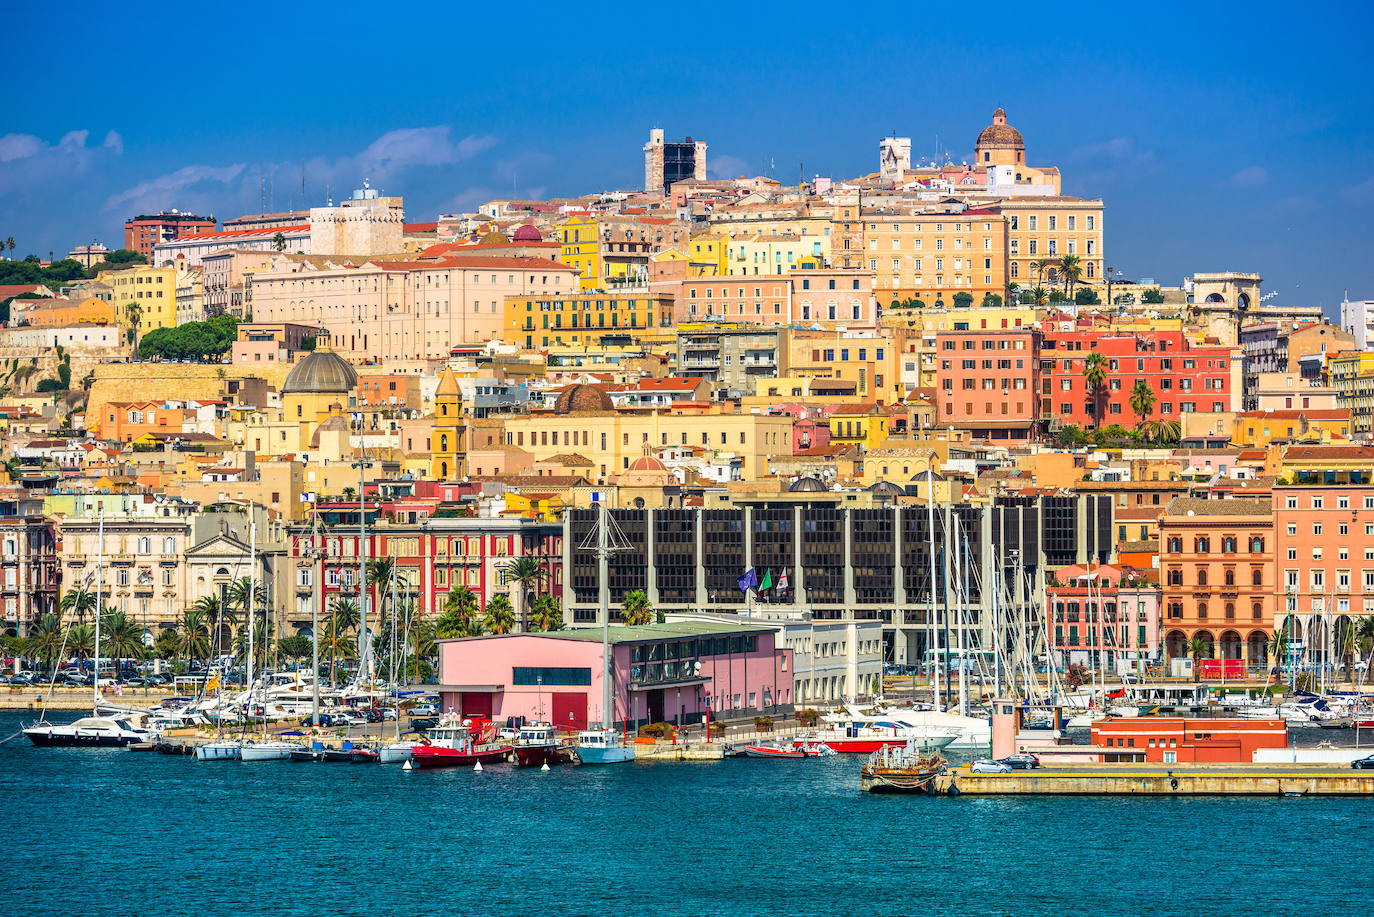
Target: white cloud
{"points": [[31, 162], [726, 167], [1362, 193], [168, 191], [1250, 177], [1112, 162], [19, 146]]}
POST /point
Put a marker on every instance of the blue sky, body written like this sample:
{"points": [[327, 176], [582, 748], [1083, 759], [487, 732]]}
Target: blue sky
{"points": [[1221, 137]]}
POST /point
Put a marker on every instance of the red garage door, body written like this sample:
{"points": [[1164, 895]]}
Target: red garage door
{"points": [[570, 710], [476, 703]]}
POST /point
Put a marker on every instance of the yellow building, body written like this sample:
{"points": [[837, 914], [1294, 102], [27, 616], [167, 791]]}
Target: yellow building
{"points": [[542, 321], [931, 257], [770, 255], [448, 452], [317, 391], [864, 424], [708, 256], [1352, 375], [608, 249], [872, 363], [1261, 428], [145, 296], [60, 312], [1042, 230]]}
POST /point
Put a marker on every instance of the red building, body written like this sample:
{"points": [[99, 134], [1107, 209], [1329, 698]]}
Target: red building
{"points": [[988, 381], [1184, 377], [1191, 740], [143, 232]]}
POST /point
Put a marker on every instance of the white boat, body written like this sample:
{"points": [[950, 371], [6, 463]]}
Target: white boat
{"points": [[228, 750], [602, 746], [93, 732], [272, 750], [855, 731], [396, 752]]}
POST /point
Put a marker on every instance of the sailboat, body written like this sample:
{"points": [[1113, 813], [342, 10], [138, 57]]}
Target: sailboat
{"points": [[603, 745], [265, 749], [94, 731]]}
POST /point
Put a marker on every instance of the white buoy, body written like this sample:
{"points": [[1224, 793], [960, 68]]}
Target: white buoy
{"points": [[406, 766], [545, 767], [477, 766]]}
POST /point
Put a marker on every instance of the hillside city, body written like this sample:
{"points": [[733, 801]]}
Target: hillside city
{"points": [[854, 428]]}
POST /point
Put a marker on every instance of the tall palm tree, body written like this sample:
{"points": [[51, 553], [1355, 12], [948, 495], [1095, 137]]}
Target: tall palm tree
{"points": [[527, 573], [1142, 400], [1197, 648], [343, 620], [1095, 375], [459, 614], [120, 637], [1040, 295], [45, 639], [218, 615], [249, 608], [166, 643], [380, 573], [1040, 266], [193, 636], [133, 314], [636, 609], [546, 613], [81, 641], [500, 617], [1071, 266], [78, 601]]}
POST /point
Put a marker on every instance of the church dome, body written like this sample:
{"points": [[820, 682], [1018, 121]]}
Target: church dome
{"points": [[582, 398], [493, 238], [647, 463], [885, 489], [999, 135], [527, 233], [322, 372], [807, 486]]}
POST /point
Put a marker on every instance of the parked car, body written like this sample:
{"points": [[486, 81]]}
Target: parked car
{"points": [[424, 710], [1022, 761], [988, 766], [1363, 764]]}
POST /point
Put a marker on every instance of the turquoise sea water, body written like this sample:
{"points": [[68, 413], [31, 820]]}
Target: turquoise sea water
{"points": [[116, 832]]}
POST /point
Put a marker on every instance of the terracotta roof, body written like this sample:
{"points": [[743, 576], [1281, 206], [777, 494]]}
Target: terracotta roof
{"points": [[1333, 414], [1196, 506], [15, 289], [1329, 452], [570, 459], [241, 234], [456, 261]]}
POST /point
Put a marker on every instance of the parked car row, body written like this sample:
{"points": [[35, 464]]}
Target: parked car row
{"points": [[1022, 761]]}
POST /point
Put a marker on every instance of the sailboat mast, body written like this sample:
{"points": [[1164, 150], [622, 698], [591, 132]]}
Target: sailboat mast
{"points": [[252, 586], [603, 551], [961, 546], [933, 643], [316, 574], [99, 602], [364, 644]]}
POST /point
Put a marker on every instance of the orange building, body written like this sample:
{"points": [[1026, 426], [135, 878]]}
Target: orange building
{"points": [[1217, 561], [989, 381], [1191, 740]]}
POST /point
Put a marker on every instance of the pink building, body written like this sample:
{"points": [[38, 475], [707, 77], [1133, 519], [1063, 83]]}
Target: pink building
{"points": [[815, 298], [662, 673], [1103, 617], [989, 381]]}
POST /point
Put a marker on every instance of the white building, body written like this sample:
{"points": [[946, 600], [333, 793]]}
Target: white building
{"points": [[1358, 318]]}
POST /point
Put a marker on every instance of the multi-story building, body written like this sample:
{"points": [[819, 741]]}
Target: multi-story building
{"points": [[143, 233], [769, 255], [576, 318], [733, 357], [612, 249], [1324, 550], [196, 248], [870, 360], [1183, 376], [144, 296], [669, 161], [937, 257], [226, 279], [1352, 374], [1105, 617], [811, 297], [403, 309], [1217, 562], [989, 381], [1045, 229], [1357, 318], [29, 563]]}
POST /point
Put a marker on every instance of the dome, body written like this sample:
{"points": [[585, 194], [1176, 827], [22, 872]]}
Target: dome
{"points": [[336, 423], [582, 398], [493, 238], [527, 233], [647, 463], [999, 135], [885, 489], [323, 372], [807, 486]]}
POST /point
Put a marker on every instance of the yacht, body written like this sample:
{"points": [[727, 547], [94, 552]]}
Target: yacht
{"points": [[536, 744], [93, 732], [271, 750], [396, 752], [864, 732], [602, 746], [225, 750]]}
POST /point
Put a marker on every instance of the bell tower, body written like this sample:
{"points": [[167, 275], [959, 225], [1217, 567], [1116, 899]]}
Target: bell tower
{"points": [[448, 454]]}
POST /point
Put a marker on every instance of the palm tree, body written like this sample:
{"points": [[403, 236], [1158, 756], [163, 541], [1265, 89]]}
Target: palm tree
{"points": [[546, 613], [500, 618], [526, 573], [1040, 295], [79, 602], [459, 614], [1095, 375], [9, 243], [380, 573], [217, 615], [1142, 400], [237, 598], [133, 314], [45, 639], [1197, 648], [279, 242], [166, 643], [636, 609], [81, 641], [120, 637], [193, 636], [1040, 267], [1161, 432], [1071, 266]]}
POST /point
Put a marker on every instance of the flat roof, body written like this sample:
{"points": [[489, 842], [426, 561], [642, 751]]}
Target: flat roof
{"points": [[672, 630]]}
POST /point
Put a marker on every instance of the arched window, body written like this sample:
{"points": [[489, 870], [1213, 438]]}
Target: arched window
{"points": [[1202, 545], [169, 546], [1257, 577], [1175, 609], [1175, 545], [145, 546], [1201, 611], [1230, 577], [1175, 576], [1228, 545], [1257, 545], [1230, 611], [1256, 611], [1202, 576]]}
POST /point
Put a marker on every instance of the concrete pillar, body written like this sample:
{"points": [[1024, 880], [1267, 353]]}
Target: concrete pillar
{"points": [[851, 597], [800, 589], [700, 537], [650, 566]]}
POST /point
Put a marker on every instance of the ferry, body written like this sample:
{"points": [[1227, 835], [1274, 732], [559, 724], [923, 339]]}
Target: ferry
{"points": [[450, 744]]}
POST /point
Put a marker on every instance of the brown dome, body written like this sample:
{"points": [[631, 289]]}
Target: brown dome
{"points": [[999, 135], [647, 463], [322, 372], [582, 398]]}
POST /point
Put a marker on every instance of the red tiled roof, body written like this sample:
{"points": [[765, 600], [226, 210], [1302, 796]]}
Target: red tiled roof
{"points": [[420, 227], [1323, 414], [475, 262], [15, 289], [243, 233]]}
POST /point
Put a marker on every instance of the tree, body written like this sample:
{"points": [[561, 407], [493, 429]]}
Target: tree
{"points": [[546, 613], [1086, 296], [636, 609], [44, 641], [216, 615], [1095, 375], [458, 618], [1278, 646], [1039, 296], [991, 301], [1142, 400], [1197, 648], [81, 641], [1040, 266], [500, 618], [963, 299], [279, 242], [295, 647], [342, 620], [1161, 432], [166, 643], [1071, 267], [77, 601], [1152, 297], [193, 636], [133, 314], [527, 573], [120, 637]]}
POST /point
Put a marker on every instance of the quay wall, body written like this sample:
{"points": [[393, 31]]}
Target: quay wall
{"points": [[1273, 780]]}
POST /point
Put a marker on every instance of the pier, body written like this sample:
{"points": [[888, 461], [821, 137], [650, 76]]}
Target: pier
{"points": [[1161, 780]]}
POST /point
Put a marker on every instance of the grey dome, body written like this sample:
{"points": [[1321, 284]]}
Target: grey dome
{"points": [[321, 373], [807, 486], [885, 489]]}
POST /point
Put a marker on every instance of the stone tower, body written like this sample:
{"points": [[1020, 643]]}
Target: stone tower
{"points": [[448, 454]]}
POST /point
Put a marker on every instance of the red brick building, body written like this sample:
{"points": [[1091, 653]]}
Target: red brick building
{"points": [[1191, 740], [143, 232], [1184, 377], [987, 381]]}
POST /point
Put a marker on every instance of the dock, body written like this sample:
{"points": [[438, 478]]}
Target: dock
{"points": [[1161, 780]]}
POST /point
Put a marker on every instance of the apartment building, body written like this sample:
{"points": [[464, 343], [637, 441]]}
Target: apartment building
{"points": [[577, 318], [989, 382]]}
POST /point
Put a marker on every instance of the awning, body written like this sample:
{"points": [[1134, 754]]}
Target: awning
{"points": [[471, 689]]}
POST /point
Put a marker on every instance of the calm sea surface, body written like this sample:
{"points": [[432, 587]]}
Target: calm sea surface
{"points": [[115, 832]]}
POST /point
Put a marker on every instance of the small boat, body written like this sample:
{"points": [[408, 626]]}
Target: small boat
{"points": [[365, 756], [173, 748], [772, 750], [602, 746], [911, 768], [396, 752], [536, 744], [342, 755], [314, 753], [227, 750], [451, 744], [268, 751], [91, 732]]}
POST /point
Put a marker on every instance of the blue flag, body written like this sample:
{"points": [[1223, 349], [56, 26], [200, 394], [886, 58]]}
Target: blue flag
{"points": [[750, 580]]}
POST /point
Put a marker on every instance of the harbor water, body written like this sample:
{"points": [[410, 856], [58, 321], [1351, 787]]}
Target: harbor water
{"points": [[118, 832]]}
